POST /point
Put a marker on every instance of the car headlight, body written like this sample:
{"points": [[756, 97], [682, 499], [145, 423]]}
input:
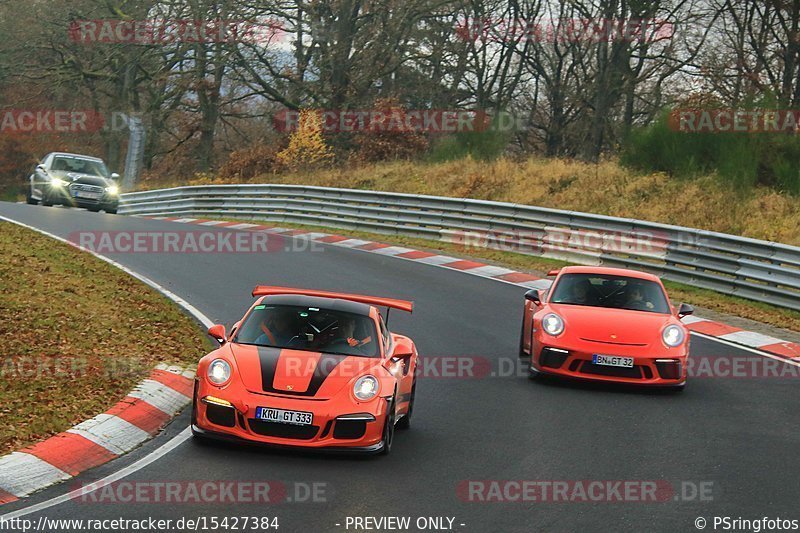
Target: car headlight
{"points": [[57, 182], [553, 324], [113, 190], [366, 388], [219, 372], [673, 335]]}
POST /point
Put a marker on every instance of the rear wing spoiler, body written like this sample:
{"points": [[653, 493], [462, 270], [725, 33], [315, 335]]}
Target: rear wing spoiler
{"points": [[403, 305]]}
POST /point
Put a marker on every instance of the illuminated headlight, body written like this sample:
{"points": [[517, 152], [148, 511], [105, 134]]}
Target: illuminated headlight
{"points": [[673, 336], [366, 388], [57, 182], [553, 324], [112, 190], [219, 372]]}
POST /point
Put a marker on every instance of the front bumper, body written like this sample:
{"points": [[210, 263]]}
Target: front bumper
{"points": [[652, 367], [63, 196], [339, 423]]}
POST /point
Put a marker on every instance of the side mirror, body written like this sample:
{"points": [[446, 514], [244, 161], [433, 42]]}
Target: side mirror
{"points": [[533, 296], [115, 176], [40, 168], [685, 310], [218, 332]]}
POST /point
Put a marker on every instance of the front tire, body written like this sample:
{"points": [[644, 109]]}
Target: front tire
{"points": [[29, 199], [388, 429], [405, 422]]}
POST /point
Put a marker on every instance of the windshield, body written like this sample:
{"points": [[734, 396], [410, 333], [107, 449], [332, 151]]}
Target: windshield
{"points": [[79, 166], [310, 328], [616, 292]]}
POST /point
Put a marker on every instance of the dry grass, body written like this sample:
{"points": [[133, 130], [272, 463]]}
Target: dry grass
{"points": [[78, 334], [605, 188]]}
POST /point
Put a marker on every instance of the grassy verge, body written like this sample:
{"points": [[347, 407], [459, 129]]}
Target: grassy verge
{"points": [[729, 305], [77, 335], [704, 202]]}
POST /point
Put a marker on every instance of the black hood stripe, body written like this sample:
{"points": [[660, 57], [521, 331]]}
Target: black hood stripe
{"points": [[269, 363]]}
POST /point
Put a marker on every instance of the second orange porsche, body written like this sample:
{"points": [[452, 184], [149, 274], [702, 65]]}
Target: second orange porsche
{"points": [[606, 324]]}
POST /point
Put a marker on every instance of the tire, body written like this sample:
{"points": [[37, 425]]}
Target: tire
{"points": [[93, 209], [29, 198], [388, 429], [45, 202], [522, 354], [405, 422], [111, 211]]}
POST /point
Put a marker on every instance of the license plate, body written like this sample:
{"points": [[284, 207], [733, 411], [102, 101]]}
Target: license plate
{"points": [[87, 195], [297, 418], [612, 360]]}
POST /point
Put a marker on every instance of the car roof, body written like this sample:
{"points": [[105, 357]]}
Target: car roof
{"points": [[333, 304], [76, 155], [609, 272]]}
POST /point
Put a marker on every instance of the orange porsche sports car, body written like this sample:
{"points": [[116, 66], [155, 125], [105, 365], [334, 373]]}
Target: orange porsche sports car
{"points": [[307, 368], [606, 324]]}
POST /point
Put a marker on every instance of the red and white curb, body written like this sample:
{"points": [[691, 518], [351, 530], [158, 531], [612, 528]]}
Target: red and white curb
{"points": [[749, 339], [127, 425]]}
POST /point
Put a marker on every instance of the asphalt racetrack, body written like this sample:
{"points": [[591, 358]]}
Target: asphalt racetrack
{"points": [[724, 447]]}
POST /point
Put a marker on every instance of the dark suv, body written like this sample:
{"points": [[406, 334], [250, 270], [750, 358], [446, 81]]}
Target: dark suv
{"points": [[74, 180]]}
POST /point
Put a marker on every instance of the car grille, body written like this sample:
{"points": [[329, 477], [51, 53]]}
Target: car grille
{"points": [[349, 429], [601, 370], [551, 358], [284, 431], [86, 188]]}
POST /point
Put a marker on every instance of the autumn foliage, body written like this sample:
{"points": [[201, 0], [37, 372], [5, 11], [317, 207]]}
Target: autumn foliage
{"points": [[307, 148]]}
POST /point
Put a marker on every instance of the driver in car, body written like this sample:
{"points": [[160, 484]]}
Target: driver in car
{"points": [[636, 299], [345, 340], [278, 331]]}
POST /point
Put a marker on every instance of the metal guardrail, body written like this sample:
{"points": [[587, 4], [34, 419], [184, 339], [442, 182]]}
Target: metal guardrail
{"points": [[756, 270]]}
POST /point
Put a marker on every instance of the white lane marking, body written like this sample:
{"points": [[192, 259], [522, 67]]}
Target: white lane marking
{"points": [[541, 284], [160, 396], [751, 338], [747, 349], [392, 250], [490, 271], [150, 458], [435, 260], [169, 294], [23, 473], [185, 220], [112, 433], [243, 225], [691, 319], [351, 243]]}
